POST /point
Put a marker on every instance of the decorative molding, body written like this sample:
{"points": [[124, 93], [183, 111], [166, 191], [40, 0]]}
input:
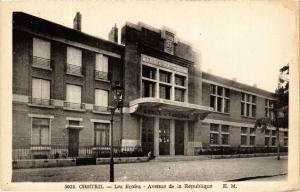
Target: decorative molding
{"points": [[40, 116], [74, 118], [100, 121]]}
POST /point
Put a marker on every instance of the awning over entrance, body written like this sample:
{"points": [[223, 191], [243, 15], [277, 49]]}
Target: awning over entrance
{"points": [[167, 108]]}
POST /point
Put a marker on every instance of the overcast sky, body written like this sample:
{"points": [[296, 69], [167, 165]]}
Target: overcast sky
{"points": [[248, 41]]}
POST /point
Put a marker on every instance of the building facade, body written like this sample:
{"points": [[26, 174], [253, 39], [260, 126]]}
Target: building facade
{"points": [[62, 82]]}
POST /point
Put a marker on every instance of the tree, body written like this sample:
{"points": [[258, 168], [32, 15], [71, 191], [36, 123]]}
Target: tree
{"points": [[280, 107]]}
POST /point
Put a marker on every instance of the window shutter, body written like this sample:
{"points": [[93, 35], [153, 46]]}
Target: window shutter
{"points": [[36, 88], [74, 56], [45, 89], [41, 48], [44, 135], [73, 94]]}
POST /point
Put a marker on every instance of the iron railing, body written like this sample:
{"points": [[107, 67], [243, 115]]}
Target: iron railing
{"points": [[73, 69], [102, 75], [62, 152], [41, 62], [74, 105], [40, 101], [101, 108], [240, 150]]}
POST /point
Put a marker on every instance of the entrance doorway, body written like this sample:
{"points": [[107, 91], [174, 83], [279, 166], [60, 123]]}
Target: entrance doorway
{"points": [[179, 137], [164, 137], [73, 142]]}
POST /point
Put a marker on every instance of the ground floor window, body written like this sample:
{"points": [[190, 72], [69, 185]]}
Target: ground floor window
{"points": [[101, 133], [267, 141], [243, 140], [219, 134], [252, 140], [40, 131], [273, 141]]}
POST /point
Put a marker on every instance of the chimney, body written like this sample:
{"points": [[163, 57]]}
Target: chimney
{"points": [[113, 34], [77, 21]]}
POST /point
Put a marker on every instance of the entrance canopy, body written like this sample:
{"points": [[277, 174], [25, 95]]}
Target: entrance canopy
{"points": [[167, 108]]}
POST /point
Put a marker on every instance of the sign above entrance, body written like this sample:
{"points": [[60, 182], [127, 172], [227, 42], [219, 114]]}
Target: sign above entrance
{"points": [[163, 64]]}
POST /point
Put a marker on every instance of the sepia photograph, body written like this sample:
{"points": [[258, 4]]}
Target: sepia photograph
{"points": [[129, 92]]}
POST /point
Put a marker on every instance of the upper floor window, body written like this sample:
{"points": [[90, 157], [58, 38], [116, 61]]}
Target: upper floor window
{"points": [[41, 53], [164, 76], [220, 98], [269, 109], [73, 97], [179, 80], [101, 69], [40, 92], [248, 105], [247, 136], [101, 100], [40, 131], [149, 72], [169, 42], [74, 61]]}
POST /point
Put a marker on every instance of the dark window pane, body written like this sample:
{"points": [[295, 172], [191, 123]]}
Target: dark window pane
{"points": [[179, 80], [219, 104], [225, 139], [227, 106], [242, 108], [214, 138], [243, 140], [165, 76], [248, 110], [253, 99], [148, 89], [214, 127], [252, 140], [212, 89], [212, 101], [244, 130], [253, 110], [227, 92], [164, 92], [220, 91], [267, 141], [225, 128], [149, 72], [179, 95]]}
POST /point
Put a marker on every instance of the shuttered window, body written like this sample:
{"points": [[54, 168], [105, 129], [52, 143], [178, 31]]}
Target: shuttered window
{"points": [[101, 63], [73, 93], [40, 88], [41, 48], [40, 131], [101, 97], [74, 56]]}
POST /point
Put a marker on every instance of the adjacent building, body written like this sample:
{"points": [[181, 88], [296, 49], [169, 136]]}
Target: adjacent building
{"points": [[62, 82]]}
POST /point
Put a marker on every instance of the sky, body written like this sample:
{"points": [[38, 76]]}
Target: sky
{"points": [[246, 40]]}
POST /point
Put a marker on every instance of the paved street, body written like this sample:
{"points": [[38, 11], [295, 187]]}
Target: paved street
{"points": [[200, 170]]}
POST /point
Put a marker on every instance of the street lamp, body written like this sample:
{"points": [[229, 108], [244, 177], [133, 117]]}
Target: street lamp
{"points": [[117, 91]]}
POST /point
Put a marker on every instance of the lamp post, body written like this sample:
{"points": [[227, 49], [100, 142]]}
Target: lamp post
{"points": [[278, 116], [117, 91]]}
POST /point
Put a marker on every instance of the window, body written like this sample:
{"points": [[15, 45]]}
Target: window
{"points": [[74, 123], [267, 132], [179, 94], [148, 89], [273, 141], [169, 42], [40, 131], [248, 105], [248, 135], [101, 100], [73, 96], [269, 109], [220, 99], [285, 134], [273, 133], [179, 80], [149, 72], [164, 91], [219, 131], [243, 140], [285, 142], [40, 92], [74, 60], [101, 71], [267, 141], [244, 130], [41, 53], [252, 131], [101, 134], [164, 76], [252, 140]]}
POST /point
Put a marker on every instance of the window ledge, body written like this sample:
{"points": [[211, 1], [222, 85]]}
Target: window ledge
{"points": [[74, 127], [39, 67], [41, 106], [78, 75], [40, 148], [101, 112], [215, 145], [248, 117], [103, 80], [72, 109], [222, 113]]}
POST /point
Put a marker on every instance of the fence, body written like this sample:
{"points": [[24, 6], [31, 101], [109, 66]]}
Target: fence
{"points": [[62, 152], [240, 150]]}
